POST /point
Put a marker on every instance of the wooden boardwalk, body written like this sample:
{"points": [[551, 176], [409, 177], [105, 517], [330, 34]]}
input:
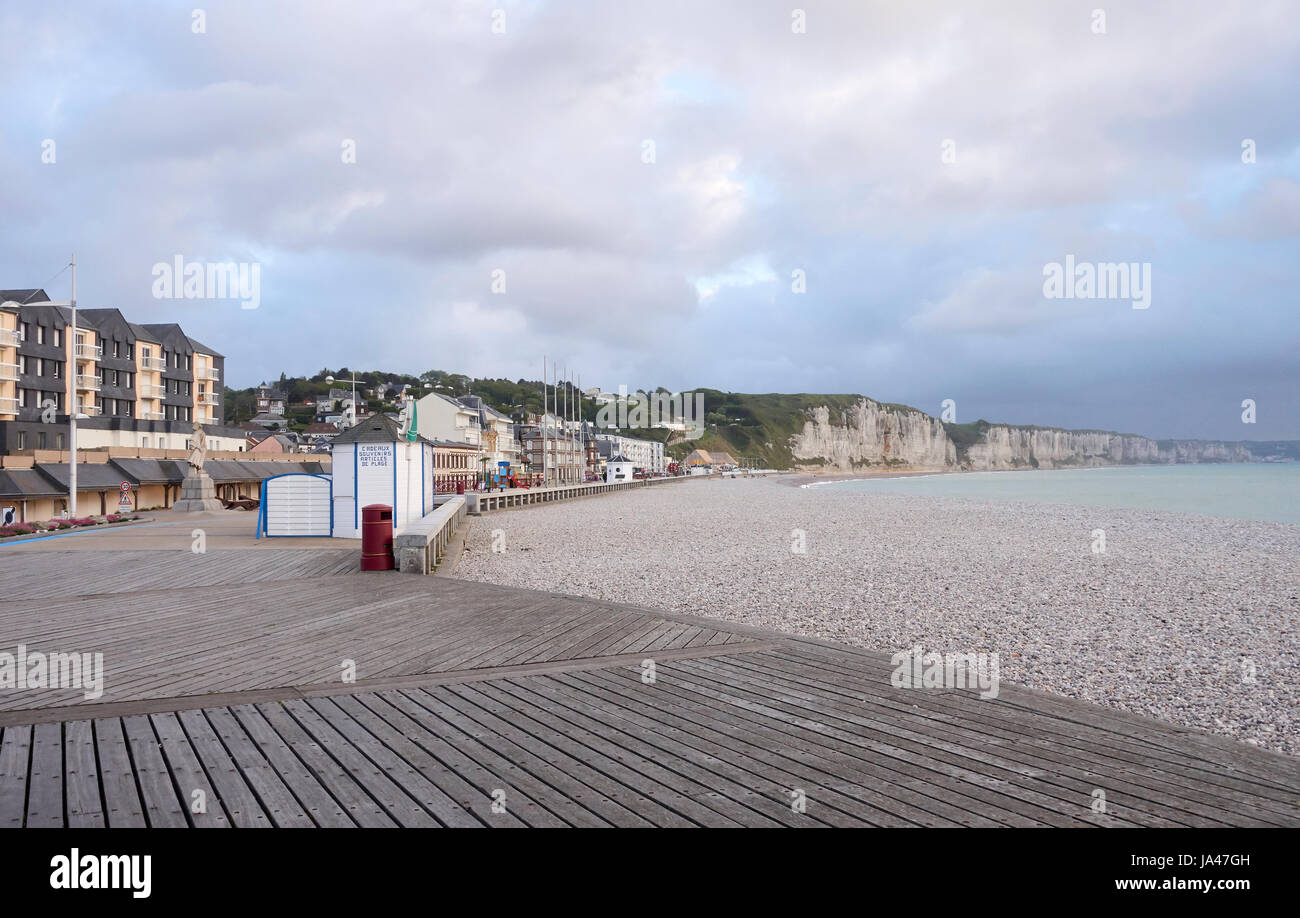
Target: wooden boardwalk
{"points": [[478, 705]]}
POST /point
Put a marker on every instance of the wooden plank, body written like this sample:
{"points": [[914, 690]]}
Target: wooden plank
{"points": [[274, 796], [434, 800], [45, 784], [395, 802], [162, 807], [81, 782], [232, 790], [122, 805], [314, 798], [354, 800], [15, 757]]}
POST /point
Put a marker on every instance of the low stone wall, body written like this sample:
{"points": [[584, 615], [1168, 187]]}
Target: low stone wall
{"points": [[480, 502], [420, 546]]}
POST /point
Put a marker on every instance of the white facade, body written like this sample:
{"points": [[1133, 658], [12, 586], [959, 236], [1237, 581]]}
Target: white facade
{"points": [[647, 455], [619, 469], [443, 418], [398, 473]]}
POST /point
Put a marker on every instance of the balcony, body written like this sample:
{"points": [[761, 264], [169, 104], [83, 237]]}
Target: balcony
{"points": [[8, 372], [149, 390], [153, 416], [210, 373], [87, 383], [89, 351], [153, 363], [10, 337], [207, 398], [8, 405]]}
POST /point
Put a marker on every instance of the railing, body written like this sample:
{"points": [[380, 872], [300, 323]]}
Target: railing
{"points": [[153, 363], [9, 372], [421, 546], [486, 501], [10, 337], [153, 416], [211, 373], [90, 411], [207, 398], [8, 405], [149, 390], [89, 351], [89, 383]]}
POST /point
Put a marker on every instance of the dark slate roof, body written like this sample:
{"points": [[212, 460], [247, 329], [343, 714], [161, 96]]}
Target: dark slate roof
{"points": [[27, 295], [143, 334], [24, 483], [95, 317], [151, 471], [91, 476], [621, 458], [245, 470], [378, 428], [198, 346]]}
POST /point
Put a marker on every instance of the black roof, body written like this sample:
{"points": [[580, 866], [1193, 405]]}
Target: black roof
{"points": [[27, 295], [378, 428], [151, 471], [91, 476], [198, 346], [26, 483]]}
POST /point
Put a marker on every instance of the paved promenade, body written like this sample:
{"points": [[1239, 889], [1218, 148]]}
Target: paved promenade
{"points": [[271, 684]]}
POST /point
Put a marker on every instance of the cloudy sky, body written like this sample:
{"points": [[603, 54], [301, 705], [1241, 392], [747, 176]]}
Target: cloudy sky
{"points": [[653, 180]]}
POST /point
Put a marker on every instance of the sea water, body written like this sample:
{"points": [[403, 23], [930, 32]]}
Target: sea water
{"points": [[1247, 491]]}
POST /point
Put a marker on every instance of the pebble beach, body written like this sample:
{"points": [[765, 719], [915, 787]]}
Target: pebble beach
{"points": [[1190, 619]]}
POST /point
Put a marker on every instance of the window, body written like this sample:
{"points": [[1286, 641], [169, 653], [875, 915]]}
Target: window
{"points": [[25, 365], [117, 349], [40, 334], [25, 331], [22, 439], [57, 369], [189, 362], [58, 441], [40, 440], [130, 351], [58, 337]]}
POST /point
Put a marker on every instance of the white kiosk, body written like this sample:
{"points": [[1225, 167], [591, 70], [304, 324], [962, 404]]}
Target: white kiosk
{"points": [[376, 462], [618, 468]]}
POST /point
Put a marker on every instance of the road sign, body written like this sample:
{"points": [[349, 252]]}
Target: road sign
{"points": [[125, 486]]}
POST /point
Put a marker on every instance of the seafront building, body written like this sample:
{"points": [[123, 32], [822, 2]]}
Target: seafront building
{"points": [[645, 455], [132, 385]]}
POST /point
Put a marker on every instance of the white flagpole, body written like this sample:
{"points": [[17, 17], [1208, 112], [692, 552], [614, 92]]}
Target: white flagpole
{"points": [[72, 408]]}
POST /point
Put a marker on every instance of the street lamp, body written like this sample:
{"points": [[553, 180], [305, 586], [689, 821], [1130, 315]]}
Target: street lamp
{"points": [[329, 381]]}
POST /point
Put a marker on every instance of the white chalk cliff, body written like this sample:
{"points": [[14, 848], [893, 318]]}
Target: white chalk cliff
{"points": [[873, 434]]}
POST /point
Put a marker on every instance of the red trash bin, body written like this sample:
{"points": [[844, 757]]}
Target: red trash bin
{"points": [[460, 485], [377, 538]]}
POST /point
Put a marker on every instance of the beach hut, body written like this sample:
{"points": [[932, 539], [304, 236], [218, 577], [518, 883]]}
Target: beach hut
{"points": [[618, 468], [378, 461]]}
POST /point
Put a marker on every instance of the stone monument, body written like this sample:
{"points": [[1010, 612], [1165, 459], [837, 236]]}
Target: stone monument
{"points": [[197, 490]]}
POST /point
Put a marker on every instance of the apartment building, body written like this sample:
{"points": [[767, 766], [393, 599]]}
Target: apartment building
{"points": [[130, 384], [645, 455]]}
